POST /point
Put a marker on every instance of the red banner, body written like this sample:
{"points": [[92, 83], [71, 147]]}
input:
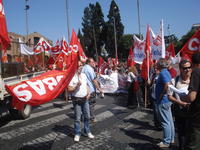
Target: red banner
{"points": [[41, 89], [192, 46], [4, 39]]}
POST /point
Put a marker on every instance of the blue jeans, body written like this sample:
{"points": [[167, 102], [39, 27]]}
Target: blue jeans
{"points": [[81, 109], [167, 123]]}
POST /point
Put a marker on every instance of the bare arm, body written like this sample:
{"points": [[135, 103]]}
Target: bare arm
{"points": [[190, 97], [73, 88], [97, 85], [173, 99]]}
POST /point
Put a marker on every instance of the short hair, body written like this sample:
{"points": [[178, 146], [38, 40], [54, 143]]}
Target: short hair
{"points": [[89, 60], [162, 63], [183, 61], [196, 58]]}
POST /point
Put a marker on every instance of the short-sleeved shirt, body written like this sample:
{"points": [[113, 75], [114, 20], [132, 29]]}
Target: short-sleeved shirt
{"points": [[81, 91], [90, 74], [164, 77], [194, 109]]}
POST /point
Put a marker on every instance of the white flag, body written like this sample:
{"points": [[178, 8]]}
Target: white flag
{"points": [[138, 51], [24, 49], [158, 44]]}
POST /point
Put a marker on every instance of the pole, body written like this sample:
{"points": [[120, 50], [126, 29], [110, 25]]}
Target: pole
{"points": [[138, 13], [67, 13], [0, 60], [115, 36], [26, 12], [95, 44]]}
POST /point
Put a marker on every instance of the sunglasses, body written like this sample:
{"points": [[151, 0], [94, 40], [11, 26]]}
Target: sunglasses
{"points": [[186, 68]]}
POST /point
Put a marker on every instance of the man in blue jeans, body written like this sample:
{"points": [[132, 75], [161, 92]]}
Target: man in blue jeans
{"points": [[164, 105], [79, 90]]}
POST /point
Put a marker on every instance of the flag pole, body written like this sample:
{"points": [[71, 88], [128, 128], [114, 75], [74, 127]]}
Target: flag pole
{"points": [[67, 13], [1, 59], [95, 44]]}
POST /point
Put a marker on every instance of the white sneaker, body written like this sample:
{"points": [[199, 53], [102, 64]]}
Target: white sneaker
{"points": [[90, 135], [77, 138], [102, 95]]}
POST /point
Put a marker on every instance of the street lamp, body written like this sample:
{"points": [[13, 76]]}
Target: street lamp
{"points": [[26, 12], [138, 13], [115, 35], [67, 13]]}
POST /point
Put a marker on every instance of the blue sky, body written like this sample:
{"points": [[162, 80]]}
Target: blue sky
{"points": [[48, 17]]}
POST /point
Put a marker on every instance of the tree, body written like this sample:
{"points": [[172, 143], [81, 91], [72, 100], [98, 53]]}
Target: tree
{"points": [[114, 21], [93, 22], [124, 45]]}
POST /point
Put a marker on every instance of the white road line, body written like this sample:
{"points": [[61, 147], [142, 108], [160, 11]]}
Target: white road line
{"points": [[56, 136], [38, 114], [30, 128]]}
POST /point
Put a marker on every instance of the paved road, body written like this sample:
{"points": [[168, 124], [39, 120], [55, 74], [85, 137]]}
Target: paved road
{"points": [[50, 127]]}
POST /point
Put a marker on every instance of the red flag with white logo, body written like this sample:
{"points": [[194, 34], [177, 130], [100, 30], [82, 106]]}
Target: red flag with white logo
{"points": [[4, 39], [192, 46], [76, 45]]}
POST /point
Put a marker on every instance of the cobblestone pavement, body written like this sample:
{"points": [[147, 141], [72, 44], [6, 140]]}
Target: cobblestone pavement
{"points": [[50, 127]]}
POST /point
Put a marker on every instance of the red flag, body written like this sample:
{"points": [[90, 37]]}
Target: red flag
{"points": [[102, 65], [4, 39], [192, 46], [130, 61], [62, 61], [76, 45], [170, 52], [147, 60]]}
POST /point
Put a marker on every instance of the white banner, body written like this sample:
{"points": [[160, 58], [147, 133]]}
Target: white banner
{"points": [[109, 83], [138, 51], [24, 49]]}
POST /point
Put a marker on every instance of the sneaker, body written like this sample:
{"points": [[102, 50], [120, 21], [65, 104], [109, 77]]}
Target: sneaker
{"points": [[162, 145], [102, 95], [77, 138], [90, 135]]}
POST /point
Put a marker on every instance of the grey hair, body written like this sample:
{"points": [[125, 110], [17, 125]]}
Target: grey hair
{"points": [[162, 63]]}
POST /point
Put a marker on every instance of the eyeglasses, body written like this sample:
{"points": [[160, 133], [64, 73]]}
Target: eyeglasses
{"points": [[186, 68]]}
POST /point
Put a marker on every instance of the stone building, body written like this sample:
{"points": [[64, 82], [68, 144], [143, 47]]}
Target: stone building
{"points": [[14, 49]]}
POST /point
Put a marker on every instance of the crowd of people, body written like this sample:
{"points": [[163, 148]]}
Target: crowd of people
{"points": [[176, 102], [171, 109]]}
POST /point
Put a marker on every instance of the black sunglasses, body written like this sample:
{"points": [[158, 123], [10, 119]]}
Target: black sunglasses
{"points": [[186, 68]]}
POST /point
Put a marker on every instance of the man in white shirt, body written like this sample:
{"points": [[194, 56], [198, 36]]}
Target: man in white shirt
{"points": [[80, 94]]}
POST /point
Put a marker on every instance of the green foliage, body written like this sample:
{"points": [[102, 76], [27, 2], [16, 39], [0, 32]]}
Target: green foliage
{"points": [[93, 22], [114, 21]]}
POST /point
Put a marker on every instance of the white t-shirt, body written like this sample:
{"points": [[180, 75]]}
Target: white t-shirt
{"points": [[81, 91]]}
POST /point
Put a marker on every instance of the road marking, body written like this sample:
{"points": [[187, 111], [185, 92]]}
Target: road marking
{"points": [[56, 136], [30, 128], [39, 114]]}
